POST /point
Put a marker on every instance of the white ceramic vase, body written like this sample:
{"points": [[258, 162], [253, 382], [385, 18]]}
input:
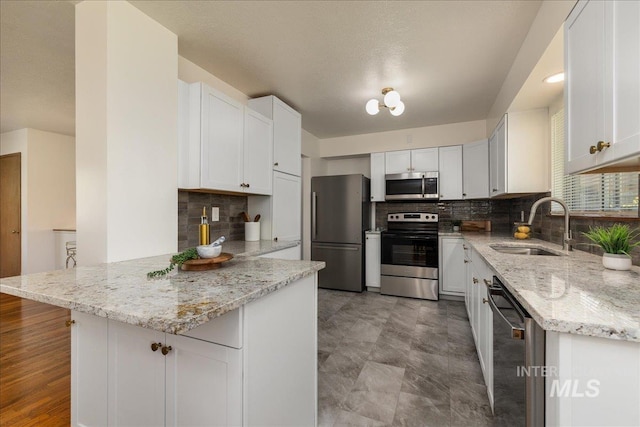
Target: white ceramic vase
{"points": [[616, 261]]}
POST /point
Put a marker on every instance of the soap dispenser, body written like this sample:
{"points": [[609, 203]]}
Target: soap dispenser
{"points": [[204, 227]]}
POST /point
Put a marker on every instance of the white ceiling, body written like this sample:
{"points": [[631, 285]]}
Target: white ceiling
{"points": [[448, 59]]}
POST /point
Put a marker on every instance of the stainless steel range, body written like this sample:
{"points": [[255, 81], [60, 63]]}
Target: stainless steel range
{"points": [[410, 256]]}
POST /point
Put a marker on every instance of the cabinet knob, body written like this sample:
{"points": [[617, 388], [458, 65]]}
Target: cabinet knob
{"points": [[465, 247], [464, 194], [593, 149], [466, 261], [495, 190], [276, 164], [475, 281], [68, 323], [242, 185], [485, 301], [15, 231], [602, 145], [166, 350], [275, 239], [155, 346], [248, 185]]}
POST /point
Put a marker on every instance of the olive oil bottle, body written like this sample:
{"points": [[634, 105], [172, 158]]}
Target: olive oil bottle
{"points": [[204, 227]]}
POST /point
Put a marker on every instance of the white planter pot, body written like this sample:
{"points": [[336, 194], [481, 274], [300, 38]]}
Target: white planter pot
{"points": [[616, 262]]}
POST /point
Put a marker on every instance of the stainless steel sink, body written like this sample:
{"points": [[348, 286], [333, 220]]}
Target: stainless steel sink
{"points": [[522, 250]]}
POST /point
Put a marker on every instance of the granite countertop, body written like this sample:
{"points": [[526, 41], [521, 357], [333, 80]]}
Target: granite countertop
{"points": [[261, 247], [570, 293], [175, 304]]}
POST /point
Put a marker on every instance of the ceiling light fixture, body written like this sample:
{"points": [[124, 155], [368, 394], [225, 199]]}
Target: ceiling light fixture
{"points": [[554, 78], [391, 101]]}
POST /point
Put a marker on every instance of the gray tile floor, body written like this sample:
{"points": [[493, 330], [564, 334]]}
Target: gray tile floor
{"points": [[386, 361]]}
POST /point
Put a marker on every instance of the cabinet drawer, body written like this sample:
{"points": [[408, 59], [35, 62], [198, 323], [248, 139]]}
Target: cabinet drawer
{"points": [[224, 330]]}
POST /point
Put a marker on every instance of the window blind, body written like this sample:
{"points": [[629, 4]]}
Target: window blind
{"points": [[606, 194]]}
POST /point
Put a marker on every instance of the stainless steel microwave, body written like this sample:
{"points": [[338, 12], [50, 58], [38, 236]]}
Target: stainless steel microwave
{"points": [[412, 186]]}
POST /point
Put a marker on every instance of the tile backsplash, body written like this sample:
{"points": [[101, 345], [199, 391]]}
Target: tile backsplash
{"points": [[190, 205], [503, 213]]}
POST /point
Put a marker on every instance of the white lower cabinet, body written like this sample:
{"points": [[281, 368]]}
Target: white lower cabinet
{"points": [[289, 253], [260, 371], [89, 343], [479, 275], [372, 259], [452, 276]]}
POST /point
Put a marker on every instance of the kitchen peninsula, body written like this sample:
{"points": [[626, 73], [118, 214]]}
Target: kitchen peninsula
{"points": [[232, 346]]}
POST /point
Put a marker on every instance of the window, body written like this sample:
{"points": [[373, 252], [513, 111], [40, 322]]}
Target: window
{"points": [[605, 194]]}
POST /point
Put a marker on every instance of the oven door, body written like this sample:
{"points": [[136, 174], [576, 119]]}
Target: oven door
{"points": [[404, 186], [410, 255]]}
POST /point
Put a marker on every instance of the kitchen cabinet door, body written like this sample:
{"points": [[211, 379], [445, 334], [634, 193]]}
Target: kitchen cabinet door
{"points": [[602, 41], [287, 133], [377, 177], [453, 277], [424, 160], [203, 383], [498, 158], [450, 176], [584, 88], [372, 259], [397, 162], [287, 202], [475, 170], [222, 141], [136, 391], [258, 153], [89, 382]]}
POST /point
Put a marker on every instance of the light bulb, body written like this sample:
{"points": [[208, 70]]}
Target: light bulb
{"points": [[398, 109], [391, 99], [372, 107]]}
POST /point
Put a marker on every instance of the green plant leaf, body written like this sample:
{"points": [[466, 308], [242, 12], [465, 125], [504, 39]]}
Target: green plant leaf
{"points": [[617, 239]]}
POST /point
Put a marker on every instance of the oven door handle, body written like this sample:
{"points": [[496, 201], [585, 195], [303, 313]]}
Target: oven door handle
{"points": [[403, 236], [517, 333], [423, 178]]}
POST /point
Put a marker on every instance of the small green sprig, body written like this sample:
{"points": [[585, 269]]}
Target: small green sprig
{"points": [[176, 260]]}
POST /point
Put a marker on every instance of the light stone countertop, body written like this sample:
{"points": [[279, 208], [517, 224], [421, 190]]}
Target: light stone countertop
{"points": [[570, 293], [175, 304]]}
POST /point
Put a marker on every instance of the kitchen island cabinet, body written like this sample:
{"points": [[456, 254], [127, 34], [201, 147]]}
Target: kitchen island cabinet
{"points": [[591, 323], [235, 346]]}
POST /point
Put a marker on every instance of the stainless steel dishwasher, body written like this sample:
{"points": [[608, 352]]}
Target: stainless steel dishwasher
{"points": [[518, 361]]}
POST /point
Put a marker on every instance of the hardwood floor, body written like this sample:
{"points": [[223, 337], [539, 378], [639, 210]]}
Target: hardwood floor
{"points": [[35, 364]]}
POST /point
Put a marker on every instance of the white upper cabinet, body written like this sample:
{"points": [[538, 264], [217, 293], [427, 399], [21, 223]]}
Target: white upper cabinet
{"points": [[475, 170], [602, 89], [258, 143], [287, 133], [405, 161], [450, 177], [377, 177], [223, 146], [519, 156]]}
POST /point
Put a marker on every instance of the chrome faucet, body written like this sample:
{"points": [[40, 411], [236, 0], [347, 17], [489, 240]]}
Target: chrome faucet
{"points": [[567, 241]]}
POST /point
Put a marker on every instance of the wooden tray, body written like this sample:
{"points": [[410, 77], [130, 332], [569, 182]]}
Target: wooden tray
{"points": [[202, 264]]}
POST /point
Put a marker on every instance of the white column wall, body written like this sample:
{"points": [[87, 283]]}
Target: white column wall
{"points": [[126, 133]]}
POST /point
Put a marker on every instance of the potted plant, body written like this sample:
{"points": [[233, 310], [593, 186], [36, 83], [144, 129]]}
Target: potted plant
{"points": [[616, 242], [456, 223]]}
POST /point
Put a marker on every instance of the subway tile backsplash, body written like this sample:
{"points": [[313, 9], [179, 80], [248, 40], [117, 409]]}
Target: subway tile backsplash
{"points": [[190, 205], [503, 213]]}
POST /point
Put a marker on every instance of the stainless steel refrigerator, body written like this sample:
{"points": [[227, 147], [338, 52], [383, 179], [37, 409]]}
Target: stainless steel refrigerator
{"points": [[339, 218]]}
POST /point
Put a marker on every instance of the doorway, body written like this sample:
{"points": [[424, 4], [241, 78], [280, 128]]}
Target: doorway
{"points": [[10, 192]]}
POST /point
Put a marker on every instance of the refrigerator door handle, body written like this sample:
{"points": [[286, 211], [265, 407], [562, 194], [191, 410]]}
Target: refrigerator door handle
{"points": [[314, 213], [338, 247]]}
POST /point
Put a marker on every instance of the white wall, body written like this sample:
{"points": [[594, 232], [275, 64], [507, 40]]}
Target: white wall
{"points": [[47, 192], [192, 73], [126, 131], [404, 139], [549, 19]]}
